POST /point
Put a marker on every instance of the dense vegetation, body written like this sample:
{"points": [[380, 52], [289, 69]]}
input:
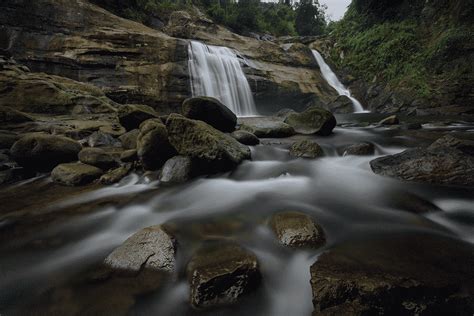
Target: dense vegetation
{"points": [[305, 17], [405, 44]]}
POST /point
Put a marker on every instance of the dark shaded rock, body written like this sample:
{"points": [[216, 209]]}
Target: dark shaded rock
{"points": [[115, 175], [129, 155], [132, 115], [97, 157], [212, 149], [246, 138], [75, 173], [7, 140], [152, 249], [177, 170], [447, 161], [153, 146], [360, 149], [296, 229], [11, 174], [283, 113], [9, 115], [410, 202], [391, 120], [221, 272], [129, 139], [211, 111], [101, 139], [314, 120], [267, 127], [306, 149], [403, 274], [340, 105], [44, 152]]}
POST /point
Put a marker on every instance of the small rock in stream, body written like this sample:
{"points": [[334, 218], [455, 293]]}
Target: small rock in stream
{"points": [[220, 272], [306, 149], [75, 173], [360, 149], [177, 170], [314, 120], [296, 229], [246, 138], [391, 120], [97, 157]]}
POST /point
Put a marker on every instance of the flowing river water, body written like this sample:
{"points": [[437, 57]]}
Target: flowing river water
{"points": [[41, 263]]}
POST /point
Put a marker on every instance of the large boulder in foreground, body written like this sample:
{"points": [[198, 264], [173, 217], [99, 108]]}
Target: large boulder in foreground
{"points": [[314, 120], [153, 146], [448, 161], [44, 152], [220, 272], [74, 174], [211, 111], [403, 274], [152, 249], [212, 149], [296, 229]]}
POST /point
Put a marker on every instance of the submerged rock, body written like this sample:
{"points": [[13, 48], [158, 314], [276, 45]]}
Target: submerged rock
{"points": [[391, 120], [75, 173], [246, 138], [221, 272], [97, 157], [306, 149], [267, 127], [212, 149], [360, 149], [211, 111], [129, 139], [446, 161], [177, 170], [152, 248], [296, 229], [314, 120], [405, 274], [44, 152], [132, 115], [153, 146]]}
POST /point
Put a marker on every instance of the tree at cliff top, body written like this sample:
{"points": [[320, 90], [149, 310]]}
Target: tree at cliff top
{"points": [[310, 18]]}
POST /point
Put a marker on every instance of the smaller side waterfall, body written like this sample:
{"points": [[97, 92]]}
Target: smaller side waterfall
{"points": [[215, 71], [334, 82]]}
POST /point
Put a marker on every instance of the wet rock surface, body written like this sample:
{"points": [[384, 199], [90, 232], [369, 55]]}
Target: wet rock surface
{"points": [[115, 175], [73, 174], [129, 139], [131, 116], [360, 149], [446, 161], [220, 272], [391, 120], [245, 138], [152, 249], [306, 149], [314, 120], [97, 157], [267, 127], [408, 274], [296, 229], [178, 169], [211, 111], [212, 149], [43, 152]]}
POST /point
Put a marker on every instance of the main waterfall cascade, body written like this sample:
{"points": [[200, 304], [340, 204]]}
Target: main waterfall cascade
{"points": [[215, 71], [334, 82]]}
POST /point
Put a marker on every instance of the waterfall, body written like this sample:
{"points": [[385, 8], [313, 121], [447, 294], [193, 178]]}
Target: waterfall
{"points": [[331, 78], [215, 71]]}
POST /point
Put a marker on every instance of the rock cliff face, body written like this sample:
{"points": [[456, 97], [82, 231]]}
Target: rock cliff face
{"points": [[133, 63]]}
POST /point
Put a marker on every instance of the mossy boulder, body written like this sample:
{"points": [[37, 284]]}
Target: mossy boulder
{"points": [[296, 229], [211, 111], [43, 152], [391, 120], [74, 174], [245, 138], [220, 272], [266, 127], [132, 115], [115, 175], [153, 146], [213, 150], [314, 120], [306, 149]]}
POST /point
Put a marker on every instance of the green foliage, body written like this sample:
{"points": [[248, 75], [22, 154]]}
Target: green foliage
{"points": [[310, 18]]}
